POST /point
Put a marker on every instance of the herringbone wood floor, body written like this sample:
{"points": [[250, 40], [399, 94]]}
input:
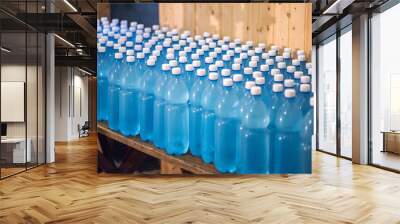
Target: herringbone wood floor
{"points": [[70, 191]]}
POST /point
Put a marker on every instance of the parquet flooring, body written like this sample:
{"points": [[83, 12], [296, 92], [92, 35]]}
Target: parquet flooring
{"points": [[70, 191]]}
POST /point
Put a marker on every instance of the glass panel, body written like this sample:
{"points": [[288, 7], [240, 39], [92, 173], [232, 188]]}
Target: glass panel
{"points": [[385, 83], [13, 88], [41, 99], [327, 96], [346, 94]]}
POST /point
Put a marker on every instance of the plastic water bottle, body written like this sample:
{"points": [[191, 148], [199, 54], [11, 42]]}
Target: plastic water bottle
{"points": [[290, 72], [195, 112], [177, 114], [208, 103], [254, 152], [306, 137], [302, 61], [287, 154], [102, 83], [189, 75], [227, 128], [238, 85], [147, 102], [304, 98], [247, 73], [129, 100], [159, 135], [113, 93], [282, 68], [286, 58], [266, 96]]}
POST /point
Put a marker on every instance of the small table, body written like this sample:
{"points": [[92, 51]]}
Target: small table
{"points": [[13, 150], [391, 141]]}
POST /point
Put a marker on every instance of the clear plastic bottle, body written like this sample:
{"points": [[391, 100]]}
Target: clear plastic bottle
{"points": [[177, 114], [113, 93], [288, 156], [129, 100], [208, 103], [147, 102], [254, 152], [102, 83], [227, 128], [247, 74], [159, 134]]}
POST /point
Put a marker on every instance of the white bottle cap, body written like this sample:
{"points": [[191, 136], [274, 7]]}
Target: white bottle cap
{"points": [[250, 43], [226, 57], [262, 45], [188, 67], [155, 53], [298, 74], [218, 50], [238, 41], [182, 42], [176, 71], [176, 47], [279, 58], [232, 45], [295, 62], [275, 71], [258, 50], [305, 79], [245, 47], [309, 71], [182, 59], [264, 56], [220, 42], [213, 76], [289, 93], [277, 87], [201, 72], [255, 58], [286, 55], [278, 77], [281, 65], [215, 36], [243, 55], [212, 68], [101, 49], [194, 56], [209, 60], [193, 45], [175, 38], [224, 47], [130, 58], [257, 74], [287, 49], [269, 61], [301, 57], [219, 64], [147, 29], [248, 71], [237, 77], [152, 57], [227, 39], [226, 72], [146, 50], [235, 67], [110, 43], [140, 55], [237, 60], [212, 45], [291, 69], [129, 44], [198, 37], [227, 82], [300, 52], [118, 55], [181, 53], [159, 47], [150, 62], [165, 67], [116, 46], [205, 48], [170, 51], [308, 65], [288, 83], [196, 63], [206, 34], [255, 91], [264, 68], [212, 54], [253, 64], [249, 84], [173, 63], [305, 88], [238, 50], [271, 53], [170, 56], [250, 52], [230, 53], [260, 80], [199, 52]]}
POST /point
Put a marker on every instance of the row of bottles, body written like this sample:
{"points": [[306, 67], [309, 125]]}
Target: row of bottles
{"points": [[242, 107]]}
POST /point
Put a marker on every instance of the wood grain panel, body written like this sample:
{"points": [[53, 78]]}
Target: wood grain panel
{"points": [[283, 24]]}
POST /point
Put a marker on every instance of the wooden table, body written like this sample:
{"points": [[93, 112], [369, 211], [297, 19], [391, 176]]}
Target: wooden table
{"points": [[168, 164], [391, 141]]}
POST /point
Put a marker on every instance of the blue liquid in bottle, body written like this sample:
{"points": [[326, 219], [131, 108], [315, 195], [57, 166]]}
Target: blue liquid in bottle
{"points": [[129, 100], [208, 102], [147, 102], [227, 128], [195, 113], [113, 93], [159, 139], [102, 84], [254, 152], [177, 114]]}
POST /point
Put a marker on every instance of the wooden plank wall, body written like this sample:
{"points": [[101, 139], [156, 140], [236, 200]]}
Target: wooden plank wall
{"points": [[282, 24]]}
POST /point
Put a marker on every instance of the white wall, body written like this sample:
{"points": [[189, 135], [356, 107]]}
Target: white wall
{"points": [[69, 82]]}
